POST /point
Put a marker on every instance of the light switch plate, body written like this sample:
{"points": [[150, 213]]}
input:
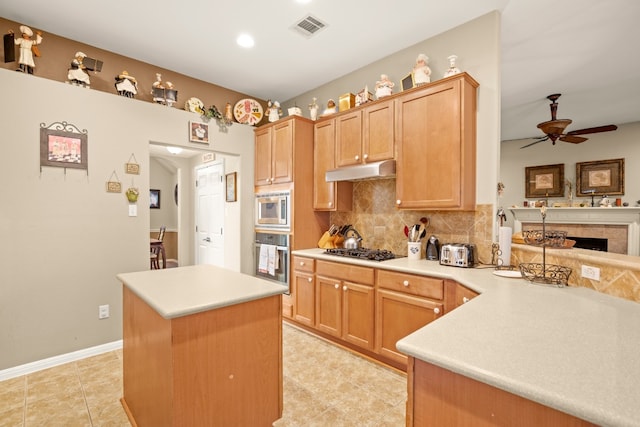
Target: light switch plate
{"points": [[133, 210]]}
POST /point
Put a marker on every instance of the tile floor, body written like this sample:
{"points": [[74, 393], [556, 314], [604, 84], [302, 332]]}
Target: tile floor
{"points": [[324, 385]]}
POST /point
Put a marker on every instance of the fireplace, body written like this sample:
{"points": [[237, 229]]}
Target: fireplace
{"points": [[620, 226], [593, 243]]}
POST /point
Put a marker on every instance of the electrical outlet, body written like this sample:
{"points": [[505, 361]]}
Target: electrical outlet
{"points": [[103, 311], [589, 272]]}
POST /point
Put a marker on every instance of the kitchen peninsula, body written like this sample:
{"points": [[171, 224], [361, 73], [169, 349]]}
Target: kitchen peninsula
{"points": [[201, 343], [570, 351]]}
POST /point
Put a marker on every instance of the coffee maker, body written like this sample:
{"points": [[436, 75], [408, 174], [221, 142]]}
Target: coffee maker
{"points": [[433, 248]]}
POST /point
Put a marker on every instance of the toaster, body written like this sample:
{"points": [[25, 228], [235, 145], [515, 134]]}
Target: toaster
{"points": [[458, 254]]}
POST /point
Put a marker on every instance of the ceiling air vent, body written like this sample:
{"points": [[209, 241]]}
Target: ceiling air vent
{"points": [[309, 26]]}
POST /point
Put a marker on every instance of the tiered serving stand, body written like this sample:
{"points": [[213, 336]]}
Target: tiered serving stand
{"points": [[547, 274]]}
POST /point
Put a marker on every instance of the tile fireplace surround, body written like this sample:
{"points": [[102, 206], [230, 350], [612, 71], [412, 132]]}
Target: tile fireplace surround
{"points": [[619, 268]]}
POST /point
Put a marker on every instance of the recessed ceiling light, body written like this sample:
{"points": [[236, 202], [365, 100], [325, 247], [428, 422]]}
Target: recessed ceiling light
{"points": [[174, 150], [245, 40], [303, 1]]}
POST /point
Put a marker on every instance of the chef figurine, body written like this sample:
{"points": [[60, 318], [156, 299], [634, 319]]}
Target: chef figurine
{"points": [[126, 85], [331, 108], [452, 66], [77, 73], [274, 110], [421, 71], [27, 48], [384, 86]]}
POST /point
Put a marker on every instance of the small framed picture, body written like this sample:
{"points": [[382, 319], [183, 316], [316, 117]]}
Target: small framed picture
{"points": [[62, 148], [231, 187], [544, 181], [154, 199], [407, 82], [600, 178], [199, 132]]}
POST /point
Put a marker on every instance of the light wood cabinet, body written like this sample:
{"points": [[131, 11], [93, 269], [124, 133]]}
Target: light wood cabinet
{"points": [[276, 157], [345, 302], [328, 196], [438, 397], [436, 132], [457, 295], [404, 303], [366, 135], [303, 290]]}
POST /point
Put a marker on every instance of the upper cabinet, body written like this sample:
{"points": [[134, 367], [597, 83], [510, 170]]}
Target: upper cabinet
{"points": [[365, 135], [328, 196], [436, 132], [274, 152]]}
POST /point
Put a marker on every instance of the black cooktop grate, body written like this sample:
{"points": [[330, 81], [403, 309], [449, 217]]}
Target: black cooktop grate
{"points": [[363, 253]]}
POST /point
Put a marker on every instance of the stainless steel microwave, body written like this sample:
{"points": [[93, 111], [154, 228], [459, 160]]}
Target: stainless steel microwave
{"points": [[273, 210]]}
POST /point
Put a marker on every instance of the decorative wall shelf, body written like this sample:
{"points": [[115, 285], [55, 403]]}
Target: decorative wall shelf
{"points": [[629, 216]]}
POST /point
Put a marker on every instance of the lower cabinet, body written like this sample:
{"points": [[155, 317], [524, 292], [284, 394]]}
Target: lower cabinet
{"points": [[345, 308], [402, 307], [303, 291]]}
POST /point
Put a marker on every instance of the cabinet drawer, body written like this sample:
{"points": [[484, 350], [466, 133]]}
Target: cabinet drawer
{"points": [[411, 284], [348, 272], [303, 264]]}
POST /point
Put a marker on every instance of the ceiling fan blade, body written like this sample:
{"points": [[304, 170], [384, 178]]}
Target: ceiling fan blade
{"points": [[573, 139], [544, 138], [596, 129]]}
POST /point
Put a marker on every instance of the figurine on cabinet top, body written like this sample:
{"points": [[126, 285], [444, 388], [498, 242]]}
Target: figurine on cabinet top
{"points": [[331, 108], [421, 71], [28, 48], [452, 66], [126, 85], [384, 86], [77, 73], [313, 109], [274, 110]]}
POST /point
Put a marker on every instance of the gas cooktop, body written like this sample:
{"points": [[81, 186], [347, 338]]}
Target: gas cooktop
{"points": [[363, 253]]}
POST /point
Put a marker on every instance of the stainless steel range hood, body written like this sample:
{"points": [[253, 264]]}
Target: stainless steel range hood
{"points": [[383, 169]]}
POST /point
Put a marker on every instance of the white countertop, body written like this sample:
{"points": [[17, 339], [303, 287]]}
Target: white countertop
{"points": [[570, 348], [176, 292]]}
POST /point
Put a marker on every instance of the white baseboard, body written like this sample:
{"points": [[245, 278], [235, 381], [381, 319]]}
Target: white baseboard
{"points": [[61, 359]]}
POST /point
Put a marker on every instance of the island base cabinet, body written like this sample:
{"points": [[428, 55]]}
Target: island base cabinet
{"points": [[438, 397], [220, 367]]}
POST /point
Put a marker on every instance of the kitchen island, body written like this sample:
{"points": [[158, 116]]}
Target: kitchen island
{"points": [[202, 345], [571, 349]]}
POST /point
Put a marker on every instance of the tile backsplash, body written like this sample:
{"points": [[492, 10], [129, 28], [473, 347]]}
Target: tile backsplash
{"points": [[381, 224]]}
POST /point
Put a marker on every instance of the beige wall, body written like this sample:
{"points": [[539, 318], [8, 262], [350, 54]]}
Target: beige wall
{"points": [[65, 238]]}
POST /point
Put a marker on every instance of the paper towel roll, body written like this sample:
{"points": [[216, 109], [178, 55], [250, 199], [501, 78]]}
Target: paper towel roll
{"points": [[504, 240]]}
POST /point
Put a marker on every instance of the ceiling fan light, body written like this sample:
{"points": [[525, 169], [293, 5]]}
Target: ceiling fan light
{"points": [[174, 150]]}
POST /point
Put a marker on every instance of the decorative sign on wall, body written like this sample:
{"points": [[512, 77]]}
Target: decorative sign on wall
{"points": [[132, 167], [63, 145], [114, 186]]}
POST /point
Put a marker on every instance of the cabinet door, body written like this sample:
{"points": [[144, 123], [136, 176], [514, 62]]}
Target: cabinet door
{"points": [[358, 314], [435, 130], [324, 193], [304, 296], [329, 305], [349, 139], [262, 157], [378, 141], [282, 153], [398, 315]]}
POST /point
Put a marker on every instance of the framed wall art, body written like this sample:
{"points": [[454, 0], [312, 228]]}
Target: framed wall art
{"points": [[600, 178], [63, 145], [199, 132], [231, 186], [544, 181], [154, 199]]}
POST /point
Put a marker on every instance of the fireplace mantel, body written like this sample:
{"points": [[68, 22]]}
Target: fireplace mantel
{"points": [[629, 216]]}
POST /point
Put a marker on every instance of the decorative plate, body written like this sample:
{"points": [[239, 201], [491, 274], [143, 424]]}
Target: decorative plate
{"points": [[508, 273], [194, 105], [248, 111]]}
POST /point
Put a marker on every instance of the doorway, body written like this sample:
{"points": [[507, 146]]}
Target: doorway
{"points": [[209, 212]]}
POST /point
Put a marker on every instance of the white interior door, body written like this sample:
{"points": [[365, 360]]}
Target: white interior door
{"points": [[210, 199]]}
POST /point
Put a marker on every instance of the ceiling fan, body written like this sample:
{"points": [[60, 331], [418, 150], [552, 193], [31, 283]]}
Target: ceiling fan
{"points": [[554, 128]]}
